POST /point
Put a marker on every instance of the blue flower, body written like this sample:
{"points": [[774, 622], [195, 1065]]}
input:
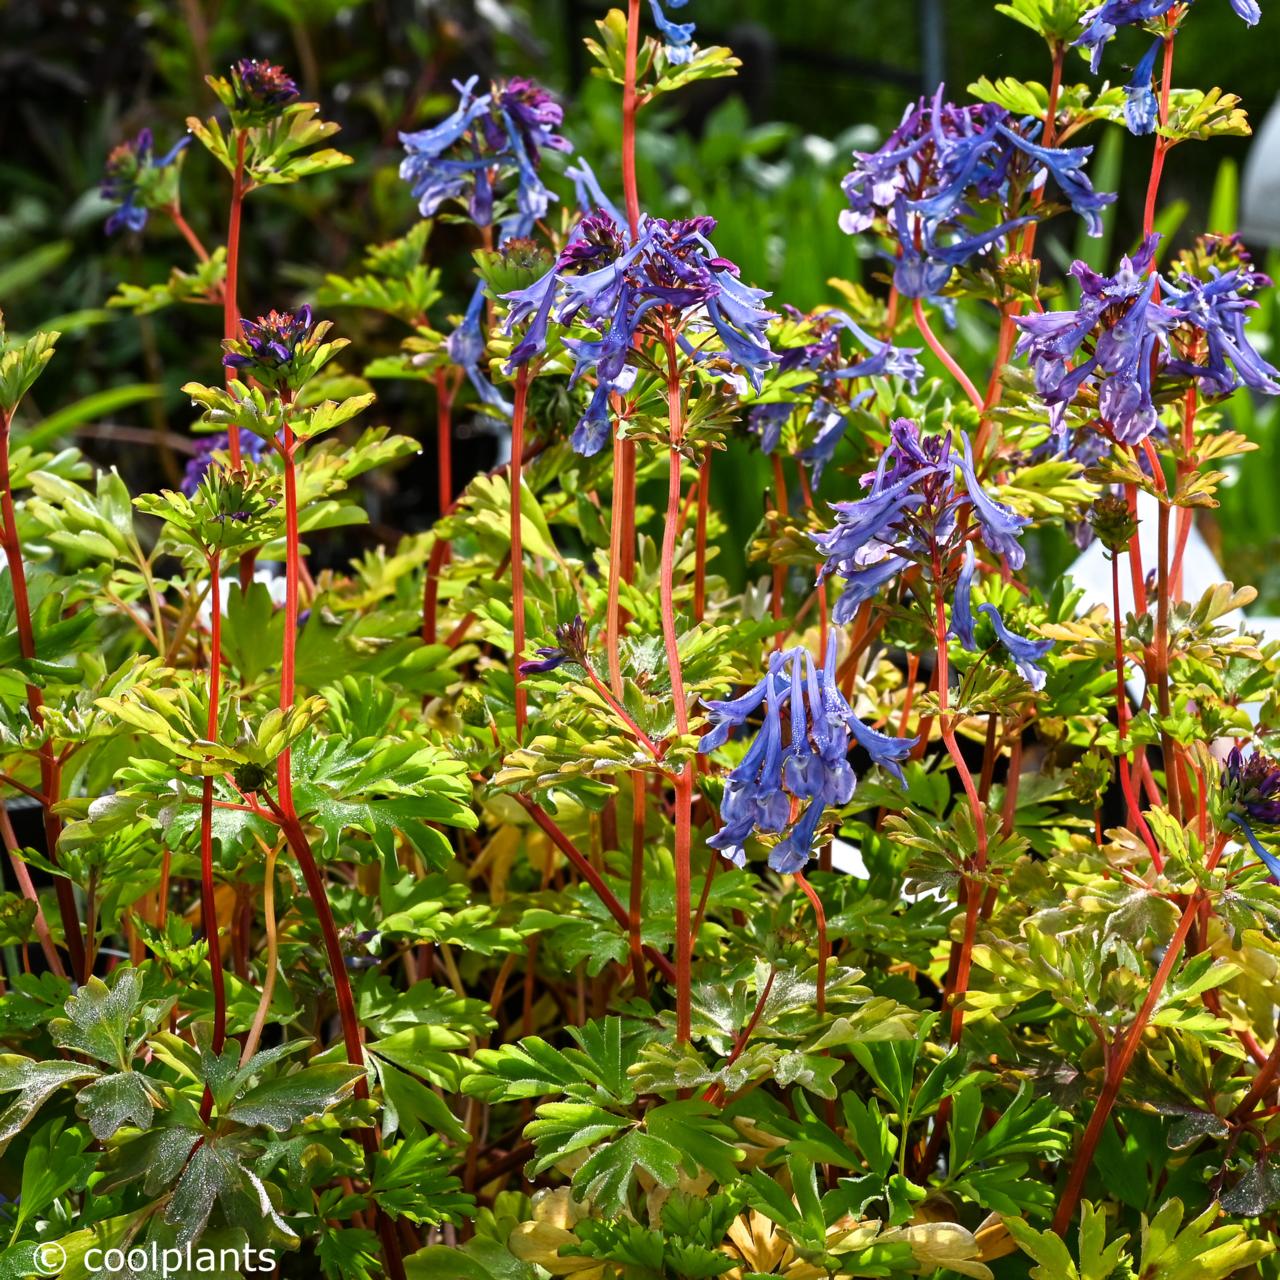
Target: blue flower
{"points": [[1127, 329], [1103, 20], [466, 347], [570, 646], [831, 405], [135, 181], [260, 88], [1251, 785], [806, 769], [1001, 527], [1121, 339], [1140, 106], [1212, 315], [925, 186], [489, 137], [909, 515], [1026, 654], [678, 35], [962, 620], [603, 280], [272, 347]]}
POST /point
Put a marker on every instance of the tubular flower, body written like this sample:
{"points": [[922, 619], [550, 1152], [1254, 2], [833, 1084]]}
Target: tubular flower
{"points": [[909, 514], [804, 768], [610, 285], [927, 184], [1026, 653], [1103, 20], [1121, 339], [466, 346], [677, 35], [570, 646], [488, 140], [1140, 106], [829, 403], [1251, 796], [137, 182]]}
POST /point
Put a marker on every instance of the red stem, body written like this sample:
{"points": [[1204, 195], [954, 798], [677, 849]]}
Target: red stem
{"points": [[444, 441], [806, 491], [1161, 145], [584, 868], [1117, 1067], [962, 954], [715, 1093], [635, 901], [948, 362], [613, 614], [824, 947], [50, 769], [1122, 724], [630, 105], [197, 246], [517, 549]]}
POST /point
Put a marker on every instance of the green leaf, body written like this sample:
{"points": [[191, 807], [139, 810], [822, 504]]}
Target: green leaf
{"points": [[605, 1180], [35, 1082], [284, 1101], [109, 1020], [1197, 1251]]}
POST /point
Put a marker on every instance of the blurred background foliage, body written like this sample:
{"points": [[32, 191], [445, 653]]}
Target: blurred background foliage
{"points": [[763, 153]]}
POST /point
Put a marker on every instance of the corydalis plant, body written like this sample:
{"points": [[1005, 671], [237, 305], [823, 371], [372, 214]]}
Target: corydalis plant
{"points": [[1137, 337], [490, 140], [138, 181], [827, 400], [945, 174], [792, 774], [669, 280]]}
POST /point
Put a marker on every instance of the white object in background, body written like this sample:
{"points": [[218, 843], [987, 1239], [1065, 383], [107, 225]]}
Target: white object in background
{"points": [[1091, 571], [269, 575], [1260, 191]]}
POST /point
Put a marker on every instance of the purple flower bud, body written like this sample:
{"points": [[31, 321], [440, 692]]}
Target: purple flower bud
{"points": [[260, 85]]}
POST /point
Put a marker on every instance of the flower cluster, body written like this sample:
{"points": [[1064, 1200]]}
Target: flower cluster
{"points": [[280, 349], [1103, 20], [925, 186], [488, 138], [260, 85], [606, 282], [910, 516], [1124, 335], [806, 769], [570, 646], [137, 182], [1251, 796], [828, 403]]}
